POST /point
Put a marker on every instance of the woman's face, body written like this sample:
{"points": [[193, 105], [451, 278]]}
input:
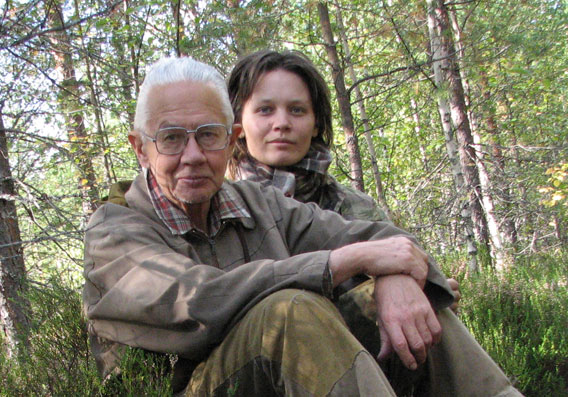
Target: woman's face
{"points": [[278, 119]]}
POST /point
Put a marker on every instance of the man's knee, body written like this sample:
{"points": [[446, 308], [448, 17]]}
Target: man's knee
{"points": [[297, 305], [305, 333], [298, 334]]}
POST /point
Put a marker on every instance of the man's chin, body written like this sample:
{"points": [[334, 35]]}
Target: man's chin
{"points": [[195, 198]]}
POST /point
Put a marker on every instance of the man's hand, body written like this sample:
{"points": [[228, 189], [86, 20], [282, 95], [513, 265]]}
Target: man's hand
{"points": [[393, 255], [406, 320]]}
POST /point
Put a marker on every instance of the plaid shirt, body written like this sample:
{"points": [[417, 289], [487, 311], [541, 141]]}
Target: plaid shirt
{"points": [[224, 206]]}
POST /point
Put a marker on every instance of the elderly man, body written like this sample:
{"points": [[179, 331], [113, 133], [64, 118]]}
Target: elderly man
{"points": [[240, 279]]}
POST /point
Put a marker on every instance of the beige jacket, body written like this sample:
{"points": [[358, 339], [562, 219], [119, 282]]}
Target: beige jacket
{"points": [[181, 294]]}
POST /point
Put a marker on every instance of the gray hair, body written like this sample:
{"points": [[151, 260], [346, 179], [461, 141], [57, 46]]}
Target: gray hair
{"points": [[174, 70]]}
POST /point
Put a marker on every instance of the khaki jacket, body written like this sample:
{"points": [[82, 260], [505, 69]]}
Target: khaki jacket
{"points": [[150, 289], [352, 204]]}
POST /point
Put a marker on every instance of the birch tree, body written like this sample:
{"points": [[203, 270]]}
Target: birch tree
{"points": [[379, 190], [343, 99], [69, 102], [454, 121], [484, 178], [14, 321]]}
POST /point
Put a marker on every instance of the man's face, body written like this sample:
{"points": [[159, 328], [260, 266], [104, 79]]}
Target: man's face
{"points": [[192, 177]]}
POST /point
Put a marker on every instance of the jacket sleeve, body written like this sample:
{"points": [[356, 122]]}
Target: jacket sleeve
{"points": [[329, 230], [142, 290]]}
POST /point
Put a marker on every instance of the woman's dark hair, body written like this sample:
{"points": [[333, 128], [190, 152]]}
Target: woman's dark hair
{"points": [[250, 69]]}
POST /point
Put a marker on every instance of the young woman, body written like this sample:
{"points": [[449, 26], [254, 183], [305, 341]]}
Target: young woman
{"points": [[283, 104]]}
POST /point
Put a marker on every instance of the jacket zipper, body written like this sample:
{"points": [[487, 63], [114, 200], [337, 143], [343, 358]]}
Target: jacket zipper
{"points": [[213, 251], [211, 242]]}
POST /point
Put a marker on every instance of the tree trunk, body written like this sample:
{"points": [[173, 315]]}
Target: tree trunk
{"points": [[240, 47], [13, 303], [343, 100], [129, 60], [91, 73], [361, 104], [518, 217], [70, 106], [509, 229], [442, 74], [484, 179], [176, 10], [418, 132]]}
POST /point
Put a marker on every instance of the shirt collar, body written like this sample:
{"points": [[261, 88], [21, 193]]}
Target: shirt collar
{"points": [[225, 205]]}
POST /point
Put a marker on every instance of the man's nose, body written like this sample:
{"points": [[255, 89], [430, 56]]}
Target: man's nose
{"points": [[193, 153]]}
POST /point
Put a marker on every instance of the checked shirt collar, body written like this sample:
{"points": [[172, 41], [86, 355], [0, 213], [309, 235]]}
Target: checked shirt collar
{"points": [[224, 206]]}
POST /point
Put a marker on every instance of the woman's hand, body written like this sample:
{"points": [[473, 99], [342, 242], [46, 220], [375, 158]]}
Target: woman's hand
{"points": [[455, 286]]}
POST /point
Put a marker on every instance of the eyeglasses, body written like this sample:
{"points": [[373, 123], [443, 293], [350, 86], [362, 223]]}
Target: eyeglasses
{"points": [[172, 140]]}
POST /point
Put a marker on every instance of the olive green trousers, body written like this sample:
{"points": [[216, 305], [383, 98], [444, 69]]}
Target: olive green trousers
{"points": [[297, 343]]}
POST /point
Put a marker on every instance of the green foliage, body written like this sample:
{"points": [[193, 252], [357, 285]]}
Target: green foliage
{"points": [[516, 71], [520, 319], [58, 361], [141, 373]]}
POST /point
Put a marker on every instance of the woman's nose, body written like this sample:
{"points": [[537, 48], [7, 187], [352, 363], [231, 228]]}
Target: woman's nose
{"points": [[282, 120]]}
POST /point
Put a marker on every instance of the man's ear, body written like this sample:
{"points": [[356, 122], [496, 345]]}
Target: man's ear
{"points": [[237, 132], [138, 147]]}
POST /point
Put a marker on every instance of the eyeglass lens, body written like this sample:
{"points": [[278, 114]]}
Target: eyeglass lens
{"points": [[209, 137]]}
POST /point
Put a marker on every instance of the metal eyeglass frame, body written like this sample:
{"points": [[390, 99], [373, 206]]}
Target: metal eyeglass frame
{"points": [[187, 132]]}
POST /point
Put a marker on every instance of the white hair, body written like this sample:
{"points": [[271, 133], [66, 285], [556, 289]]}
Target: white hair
{"points": [[174, 70]]}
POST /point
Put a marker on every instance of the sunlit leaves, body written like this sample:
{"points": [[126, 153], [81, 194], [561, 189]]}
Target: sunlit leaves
{"points": [[557, 191], [515, 58]]}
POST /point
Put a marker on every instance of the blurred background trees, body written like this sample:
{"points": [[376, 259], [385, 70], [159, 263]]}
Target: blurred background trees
{"points": [[453, 115]]}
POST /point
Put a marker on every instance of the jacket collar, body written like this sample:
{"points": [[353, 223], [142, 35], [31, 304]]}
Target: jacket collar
{"points": [[226, 206]]}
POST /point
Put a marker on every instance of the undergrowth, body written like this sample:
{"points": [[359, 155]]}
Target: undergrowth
{"points": [[520, 317], [58, 361]]}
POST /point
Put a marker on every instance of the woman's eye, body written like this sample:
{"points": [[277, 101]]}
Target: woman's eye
{"points": [[297, 110], [265, 109]]}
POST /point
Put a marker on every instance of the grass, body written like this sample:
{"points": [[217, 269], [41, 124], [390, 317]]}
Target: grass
{"points": [[521, 319], [59, 363]]}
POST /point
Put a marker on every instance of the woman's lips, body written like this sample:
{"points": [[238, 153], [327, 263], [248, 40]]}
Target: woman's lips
{"points": [[283, 142]]}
